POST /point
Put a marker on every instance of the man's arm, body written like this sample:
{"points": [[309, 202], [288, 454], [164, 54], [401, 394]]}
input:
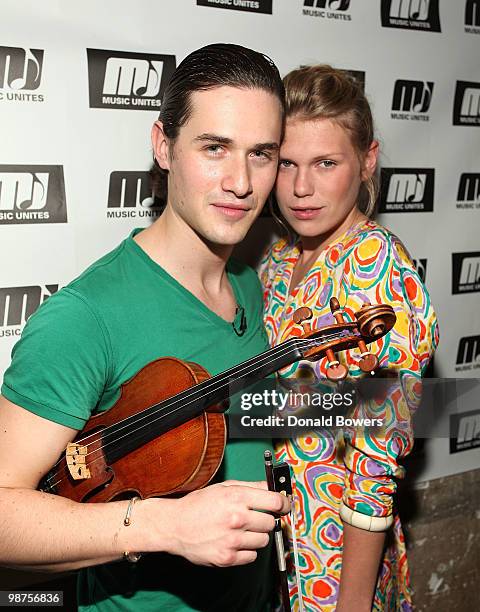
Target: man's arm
{"points": [[219, 525]]}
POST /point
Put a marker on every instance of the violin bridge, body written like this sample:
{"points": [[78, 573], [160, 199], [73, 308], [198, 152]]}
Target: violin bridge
{"points": [[75, 455]]}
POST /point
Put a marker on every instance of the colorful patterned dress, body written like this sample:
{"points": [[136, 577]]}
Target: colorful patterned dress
{"points": [[366, 264]]}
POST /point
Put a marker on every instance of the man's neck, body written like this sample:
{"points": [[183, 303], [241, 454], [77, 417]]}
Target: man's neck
{"points": [[194, 263]]}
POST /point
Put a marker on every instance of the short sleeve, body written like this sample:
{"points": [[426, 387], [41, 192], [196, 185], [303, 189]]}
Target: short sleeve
{"points": [[60, 365]]}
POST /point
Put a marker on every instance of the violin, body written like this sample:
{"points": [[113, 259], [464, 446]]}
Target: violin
{"points": [[166, 434]]}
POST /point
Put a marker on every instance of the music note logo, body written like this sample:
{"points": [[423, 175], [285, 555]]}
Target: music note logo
{"points": [[465, 428], [130, 195], [407, 190], [465, 272], [468, 352], [20, 69], [466, 106], [119, 79], [411, 14], [125, 77], [468, 195], [32, 194], [410, 9], [412, 96]]}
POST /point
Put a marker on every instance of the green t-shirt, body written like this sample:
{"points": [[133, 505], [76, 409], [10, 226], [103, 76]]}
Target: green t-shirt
{"points": [[88, 339]]}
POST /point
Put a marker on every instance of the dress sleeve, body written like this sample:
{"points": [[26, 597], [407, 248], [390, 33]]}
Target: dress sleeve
{"points": [[379, 270], [265, 269], [60, 365]]}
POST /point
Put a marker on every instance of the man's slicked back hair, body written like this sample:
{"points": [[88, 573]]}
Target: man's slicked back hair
{"points": [[216, 65]]}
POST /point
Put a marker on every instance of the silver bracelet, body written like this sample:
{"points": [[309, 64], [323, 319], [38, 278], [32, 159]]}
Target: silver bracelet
{"points": [[127, 521]]}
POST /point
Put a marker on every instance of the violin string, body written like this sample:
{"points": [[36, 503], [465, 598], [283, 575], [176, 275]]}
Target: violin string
{"points": [[292, 345], [294, 342], [171, 401]]}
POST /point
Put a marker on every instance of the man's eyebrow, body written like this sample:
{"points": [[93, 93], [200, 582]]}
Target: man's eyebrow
{"points": [[213, 138], [328, 154], [267, 146], [263, 146]]}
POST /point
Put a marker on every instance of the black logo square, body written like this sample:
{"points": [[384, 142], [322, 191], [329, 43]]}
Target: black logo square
{"points": [[406, 190], [466, 106], [120, 79], [465, 272], [20, 69], [464, 431], [420, 15], [32, 194]]}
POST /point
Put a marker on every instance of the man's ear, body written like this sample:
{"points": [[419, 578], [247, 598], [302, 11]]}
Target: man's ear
{"points": [[161, 145], [370, 161]]}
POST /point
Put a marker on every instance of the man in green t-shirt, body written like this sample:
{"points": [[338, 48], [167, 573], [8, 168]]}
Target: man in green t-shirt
{"points": [[169, 290]]}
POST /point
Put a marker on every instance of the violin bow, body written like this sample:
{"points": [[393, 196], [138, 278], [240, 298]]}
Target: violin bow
{"points": [[279, 480]]}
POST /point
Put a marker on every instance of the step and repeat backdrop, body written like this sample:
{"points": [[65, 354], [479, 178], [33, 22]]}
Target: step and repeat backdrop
{"points": [[82, 83]]}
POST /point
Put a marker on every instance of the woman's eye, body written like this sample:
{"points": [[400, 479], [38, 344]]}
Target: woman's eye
{"points": [[327, 163], [284, 163]]}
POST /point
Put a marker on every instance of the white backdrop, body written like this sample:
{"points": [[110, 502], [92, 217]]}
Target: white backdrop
{"points": [[69, 119]]}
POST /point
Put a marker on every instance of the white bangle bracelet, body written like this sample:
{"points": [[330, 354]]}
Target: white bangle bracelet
{"points": [[364, 521]]}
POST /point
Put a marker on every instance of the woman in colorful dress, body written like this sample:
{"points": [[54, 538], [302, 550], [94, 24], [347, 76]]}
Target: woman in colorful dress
{"points": [[350, 542]]}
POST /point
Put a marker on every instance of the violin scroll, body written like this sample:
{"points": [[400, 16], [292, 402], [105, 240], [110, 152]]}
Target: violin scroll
{"points": [[375, 321], [371, 323]]}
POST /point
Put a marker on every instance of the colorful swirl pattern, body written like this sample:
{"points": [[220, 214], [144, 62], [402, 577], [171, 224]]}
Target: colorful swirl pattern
{"points": [[367, 264]]}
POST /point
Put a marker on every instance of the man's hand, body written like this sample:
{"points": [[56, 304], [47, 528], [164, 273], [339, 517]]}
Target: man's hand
{"points": [[223, 524]]}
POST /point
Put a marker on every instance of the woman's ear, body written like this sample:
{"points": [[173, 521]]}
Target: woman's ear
{"points": [[370, 161], [161, 145]]}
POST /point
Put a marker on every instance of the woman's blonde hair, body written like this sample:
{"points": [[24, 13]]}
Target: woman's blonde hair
{"points": [[323, 92]]}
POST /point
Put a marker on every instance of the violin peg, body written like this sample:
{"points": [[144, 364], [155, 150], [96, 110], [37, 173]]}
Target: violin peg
{"points": [[336, 311], [335, 370], [368, 363], [300, 316]]}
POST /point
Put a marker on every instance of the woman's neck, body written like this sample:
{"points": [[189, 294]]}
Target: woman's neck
{"points": [[312, 246]]}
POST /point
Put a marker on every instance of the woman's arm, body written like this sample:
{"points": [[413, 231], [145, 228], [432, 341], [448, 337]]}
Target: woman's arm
{"points": [[361, 558], [372, 457]]}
